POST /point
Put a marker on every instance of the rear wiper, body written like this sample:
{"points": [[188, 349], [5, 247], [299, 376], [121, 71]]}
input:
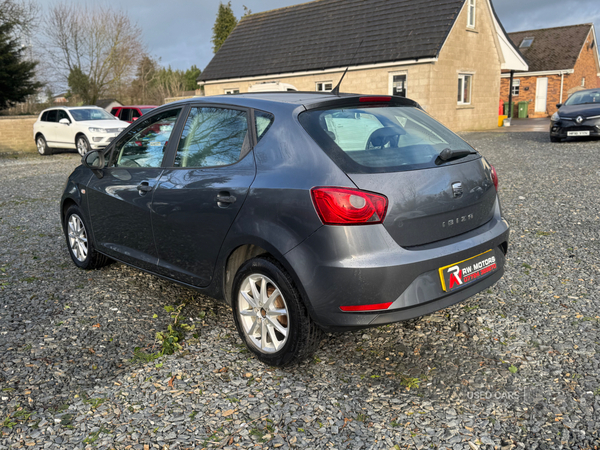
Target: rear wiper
{"points": [[447, 154]]}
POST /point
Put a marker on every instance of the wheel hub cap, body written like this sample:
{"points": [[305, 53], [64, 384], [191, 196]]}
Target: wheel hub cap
{"points": [[263, 313], [78, 242]]}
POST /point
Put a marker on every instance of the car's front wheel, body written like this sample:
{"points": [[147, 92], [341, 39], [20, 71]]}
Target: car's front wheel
{"points": [[270, 316], [81, 248], [83, 145], [42, 146]]}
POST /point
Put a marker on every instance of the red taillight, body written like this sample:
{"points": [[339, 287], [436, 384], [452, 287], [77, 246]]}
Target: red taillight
{"points": [[364, 308], [375, 99], [341, 206], [494, 177]]}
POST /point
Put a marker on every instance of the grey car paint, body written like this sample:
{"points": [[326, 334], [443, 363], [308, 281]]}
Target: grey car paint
{"points": [[274, 214]]}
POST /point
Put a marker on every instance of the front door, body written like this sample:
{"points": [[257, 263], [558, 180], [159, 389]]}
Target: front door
{"points": [[199, 197], [119, 202], [541, 94]]}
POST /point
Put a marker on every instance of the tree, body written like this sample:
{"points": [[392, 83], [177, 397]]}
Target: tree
{"points": [[102, 44], [189, 78], [21, 14], [16, 73], [79, 84], [223, 26]]}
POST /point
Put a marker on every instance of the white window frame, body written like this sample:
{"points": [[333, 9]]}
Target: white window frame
{"points": [[583, 82], [391, 76], [516, 84], [463, 77], [323, 85], [471, 13], [232, 91]]}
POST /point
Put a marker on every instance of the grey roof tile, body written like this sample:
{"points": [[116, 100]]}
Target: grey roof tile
{"points": [[325, 34]]}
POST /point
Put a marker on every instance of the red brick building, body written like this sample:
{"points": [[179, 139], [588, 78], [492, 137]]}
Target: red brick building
{"points": [[561, 61]]}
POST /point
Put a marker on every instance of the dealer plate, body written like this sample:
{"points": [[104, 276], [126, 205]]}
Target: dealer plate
{"points": [[578, 133], [465, 272]]}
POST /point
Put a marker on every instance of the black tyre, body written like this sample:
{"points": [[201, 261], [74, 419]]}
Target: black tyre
{"points": [[555, 139], [270, 315], [83, 145], [81, 248], [42, 146]]}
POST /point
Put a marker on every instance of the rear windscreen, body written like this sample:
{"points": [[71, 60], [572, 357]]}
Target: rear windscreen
{"points": [[380, 139]]}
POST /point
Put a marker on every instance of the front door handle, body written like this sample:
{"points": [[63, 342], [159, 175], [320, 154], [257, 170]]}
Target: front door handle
{"points": [[224, 199], [144, 187]]}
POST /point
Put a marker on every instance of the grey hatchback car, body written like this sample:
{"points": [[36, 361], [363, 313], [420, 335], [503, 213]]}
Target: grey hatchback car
{"points": [[305, 212]]}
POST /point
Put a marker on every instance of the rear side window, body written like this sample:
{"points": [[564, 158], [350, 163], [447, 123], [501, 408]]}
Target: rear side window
{"points": [[380, 139], [213, 137], [125, 115], [263, 122], [135, 113], [45, 116], [52, 115]]}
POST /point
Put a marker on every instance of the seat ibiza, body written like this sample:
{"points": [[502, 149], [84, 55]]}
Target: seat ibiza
{"points": [[304, 212]]}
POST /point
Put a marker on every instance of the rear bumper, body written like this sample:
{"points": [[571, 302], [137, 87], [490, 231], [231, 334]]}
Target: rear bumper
{"points": [[350, 266]]}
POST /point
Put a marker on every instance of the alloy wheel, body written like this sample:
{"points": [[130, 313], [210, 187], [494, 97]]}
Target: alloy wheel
{"points": [[263, 313], [82, 147], [78, 242]]}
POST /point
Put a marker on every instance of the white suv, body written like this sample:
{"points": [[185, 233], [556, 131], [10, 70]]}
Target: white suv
{"points": [[83, 128]]}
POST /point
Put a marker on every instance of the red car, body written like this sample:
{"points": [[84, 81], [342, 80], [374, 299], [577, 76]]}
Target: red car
{"points": [[131, 113]]}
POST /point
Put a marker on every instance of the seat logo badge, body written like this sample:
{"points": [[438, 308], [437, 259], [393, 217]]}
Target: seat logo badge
{"points": [[457, 189], [579, 119]]}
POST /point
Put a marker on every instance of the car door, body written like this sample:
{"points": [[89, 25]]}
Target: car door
{"points": [[49, 129], [119, 202], [65, 134], [199, 197]]}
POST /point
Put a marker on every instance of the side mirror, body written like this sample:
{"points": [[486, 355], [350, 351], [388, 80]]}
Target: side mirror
{"points": [[65, 121], [94, 160], [558, 105]]}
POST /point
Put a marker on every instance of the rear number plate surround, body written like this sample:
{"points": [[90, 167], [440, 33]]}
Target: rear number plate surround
{"points": [[457, 275], [578, 133]]}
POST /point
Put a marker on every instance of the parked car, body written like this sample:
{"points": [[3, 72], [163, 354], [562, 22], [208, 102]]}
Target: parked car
{"points": [[130, 114], [303, 211], [579, 116], [83, 128]]}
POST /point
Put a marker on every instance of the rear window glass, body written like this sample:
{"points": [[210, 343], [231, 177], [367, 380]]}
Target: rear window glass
{"points": [[380, 139]]}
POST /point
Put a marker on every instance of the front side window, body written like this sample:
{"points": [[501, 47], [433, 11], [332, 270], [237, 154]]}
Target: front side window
{"points": [[213, 137], [471, 14], [125, 115], [516, 87], [62, 114], [114, 111], [379, 139], [145, 144], [83, 115], [464, 89], [326, 86], [53, 115], [135, 114]]}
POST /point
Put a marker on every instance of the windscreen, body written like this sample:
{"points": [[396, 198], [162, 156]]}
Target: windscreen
{"points": [[380, 138], [584, 97], [82, 115]]}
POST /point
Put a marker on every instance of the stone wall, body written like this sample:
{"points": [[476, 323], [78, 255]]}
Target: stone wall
{"points": [[16, 134]]}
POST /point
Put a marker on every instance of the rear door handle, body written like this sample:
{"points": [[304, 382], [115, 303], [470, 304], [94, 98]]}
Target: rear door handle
{"points": [[224, 197], [144, 187]]}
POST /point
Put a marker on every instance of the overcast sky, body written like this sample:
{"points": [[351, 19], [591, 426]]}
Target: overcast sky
{"points": [[179, 31]]}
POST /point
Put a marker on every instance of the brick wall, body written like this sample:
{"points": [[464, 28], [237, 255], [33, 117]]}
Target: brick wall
{"points": [[586, 67], [16, 134]]}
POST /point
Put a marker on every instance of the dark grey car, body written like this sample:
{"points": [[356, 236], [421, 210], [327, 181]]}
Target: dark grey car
{"points": [[303, 211]]}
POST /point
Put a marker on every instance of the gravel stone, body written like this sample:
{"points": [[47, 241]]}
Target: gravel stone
{"points": [[516, 366]]}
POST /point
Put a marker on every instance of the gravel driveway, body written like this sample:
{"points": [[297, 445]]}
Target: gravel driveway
{"points": [[514, 367]]}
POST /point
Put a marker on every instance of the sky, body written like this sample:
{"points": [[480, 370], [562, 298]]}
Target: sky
{"points": [[179, 31]]}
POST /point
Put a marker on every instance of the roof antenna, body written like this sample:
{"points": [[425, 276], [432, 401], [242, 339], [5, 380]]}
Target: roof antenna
{"points": [[336, 90]]}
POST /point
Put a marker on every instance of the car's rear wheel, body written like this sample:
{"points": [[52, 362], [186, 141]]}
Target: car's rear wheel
{"points": [[80, 245], [42, 146], [83, 146], [270, 315]]}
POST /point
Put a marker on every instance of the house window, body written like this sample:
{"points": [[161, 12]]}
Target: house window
{"points": [[232, 91], [471, 14], [464, 89], [583, 82], [526, 43], [324, 86], [399, 85], [516, 87]]}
